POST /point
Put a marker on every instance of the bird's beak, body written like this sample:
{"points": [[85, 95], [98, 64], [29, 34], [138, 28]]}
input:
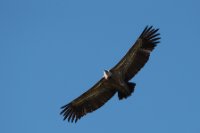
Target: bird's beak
{"points": [[106, 71]]}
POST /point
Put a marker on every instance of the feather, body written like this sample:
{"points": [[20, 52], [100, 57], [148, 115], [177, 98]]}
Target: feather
{"points": [[88, 102]]}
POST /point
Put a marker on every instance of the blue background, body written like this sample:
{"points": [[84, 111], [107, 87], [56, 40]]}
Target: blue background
{"points": [[51, 51]]}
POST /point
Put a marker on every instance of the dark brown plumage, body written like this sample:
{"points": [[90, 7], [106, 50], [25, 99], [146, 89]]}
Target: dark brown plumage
{"points": [[116, 80]]}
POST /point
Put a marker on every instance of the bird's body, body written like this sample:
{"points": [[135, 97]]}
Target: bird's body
{"points": [[115, 80]]}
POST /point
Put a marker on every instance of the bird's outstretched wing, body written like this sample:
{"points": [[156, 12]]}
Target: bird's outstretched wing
{"points": [[138, 54], [89, 101]]}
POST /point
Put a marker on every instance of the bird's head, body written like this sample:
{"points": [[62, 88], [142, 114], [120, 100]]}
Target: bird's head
{"points": [[107, 74]]}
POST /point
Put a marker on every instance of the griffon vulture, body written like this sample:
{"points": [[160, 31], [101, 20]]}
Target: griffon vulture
{"points": [[115, 80]]}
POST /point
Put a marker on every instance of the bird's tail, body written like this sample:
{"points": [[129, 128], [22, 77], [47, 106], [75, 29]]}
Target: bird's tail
{"points": [[131, 90]]}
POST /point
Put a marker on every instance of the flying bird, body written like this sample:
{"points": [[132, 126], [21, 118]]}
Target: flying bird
{"points": [[115, 80]]}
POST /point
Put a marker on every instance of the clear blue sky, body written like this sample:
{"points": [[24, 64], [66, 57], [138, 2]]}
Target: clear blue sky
{"points": [[51, 51]]}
